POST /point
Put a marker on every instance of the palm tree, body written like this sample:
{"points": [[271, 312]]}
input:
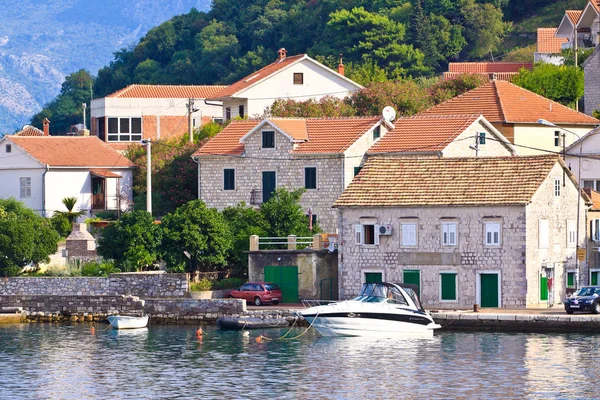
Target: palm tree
{"points": [[71, 215]]}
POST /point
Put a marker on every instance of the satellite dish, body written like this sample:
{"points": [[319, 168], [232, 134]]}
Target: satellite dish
{"points": [[389, 114]]}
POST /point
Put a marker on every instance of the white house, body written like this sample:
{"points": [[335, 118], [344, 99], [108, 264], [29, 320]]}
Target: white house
{"points": [[548, 46], [588, 172], [296, 77], [151, 112], [41, 171]]}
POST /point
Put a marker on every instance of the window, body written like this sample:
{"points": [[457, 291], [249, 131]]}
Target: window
{"points": [[570, 279], [409, 234], [449, 233], [492, 234], [268, 140], [592, 184], [314, 218], [298, 78], [557, 187], [481, 137], [229, 179], [543, 233], [376, 132], [369, 231], [124, 129], [218, 120], [595, 230], [357, 170], [557, 138], [8, 148], [227, 113], [571, 233], [241, 111], [310, 177], [448, 286], [25, 187], [246, 287], [366, 234]]}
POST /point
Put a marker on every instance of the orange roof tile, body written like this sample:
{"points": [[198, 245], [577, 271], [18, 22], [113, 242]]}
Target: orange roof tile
{"points": [[408, 134], [547, 42], [595, 197], [596, 4], [167, 91], [29, 130], [69, 151], [408, 181], [501, 101], [500, 76], [105, 173], [258, 76], [295, 127], [487, 67], [325, 135], [573, 15]]}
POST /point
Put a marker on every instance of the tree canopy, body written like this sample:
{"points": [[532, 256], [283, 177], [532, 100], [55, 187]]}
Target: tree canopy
{"points": [[563, 84]]}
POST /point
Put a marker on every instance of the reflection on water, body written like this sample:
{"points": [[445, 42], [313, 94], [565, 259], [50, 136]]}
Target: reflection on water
{"points": [[40, 361]]}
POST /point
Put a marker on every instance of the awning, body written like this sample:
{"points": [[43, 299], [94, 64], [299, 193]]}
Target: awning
{"points": [[104, 173]]}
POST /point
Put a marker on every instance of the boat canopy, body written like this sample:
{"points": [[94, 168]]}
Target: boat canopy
{"points": [[394, 293]]}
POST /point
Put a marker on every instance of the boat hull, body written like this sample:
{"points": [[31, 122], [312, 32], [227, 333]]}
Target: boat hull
{"points": [[127, 322]]}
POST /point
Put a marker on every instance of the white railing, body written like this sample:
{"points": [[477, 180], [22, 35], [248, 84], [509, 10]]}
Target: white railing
{"points": [[292, 242]]}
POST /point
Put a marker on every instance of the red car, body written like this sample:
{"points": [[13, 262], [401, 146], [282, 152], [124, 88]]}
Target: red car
{"points": [[258, 293]]}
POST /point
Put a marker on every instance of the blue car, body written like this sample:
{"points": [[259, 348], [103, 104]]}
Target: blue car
{"points": [[585, 299]]}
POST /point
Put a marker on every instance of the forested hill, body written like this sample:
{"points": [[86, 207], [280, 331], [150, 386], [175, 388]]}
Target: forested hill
{"points": [[380, 39]]}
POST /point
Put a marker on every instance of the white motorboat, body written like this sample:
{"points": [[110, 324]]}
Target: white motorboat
{"points": [[380, 310], [128, 322]]}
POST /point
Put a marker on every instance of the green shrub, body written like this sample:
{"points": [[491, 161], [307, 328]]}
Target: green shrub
{"points": [[61, 224], [229, 283], [98, 268], [107, 215], [202, 286]]}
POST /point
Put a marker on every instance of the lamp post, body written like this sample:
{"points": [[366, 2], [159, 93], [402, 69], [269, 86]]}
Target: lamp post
{"points": [[548, 123]]}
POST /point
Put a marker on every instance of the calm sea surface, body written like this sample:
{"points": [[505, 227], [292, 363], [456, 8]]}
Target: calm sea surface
{"points": [[43, 361]]}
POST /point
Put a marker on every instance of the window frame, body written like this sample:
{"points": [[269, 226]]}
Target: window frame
{"points": [[227, 113], [367, 235], [455, 299], [8, 148], [316, 178], [574, 274], [402, 234], [376, 132], [360, 234], [241, 113], [298, 75], [489, 224], [448, 224], [557, 185], [25, 186], [571, 233], [556, 138], [225, 170], [263, 133], [120, 134]]}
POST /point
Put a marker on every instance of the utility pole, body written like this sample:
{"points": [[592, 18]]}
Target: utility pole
{"points": [[84, 106], [577, 102], [148, 143], [190, 107]]}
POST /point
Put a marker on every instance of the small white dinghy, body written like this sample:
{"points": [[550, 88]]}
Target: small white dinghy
{"points": [[128, 322]]}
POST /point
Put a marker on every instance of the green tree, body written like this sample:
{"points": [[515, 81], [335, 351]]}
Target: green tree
{"points": [[563, 84], [25, 237], [133, 242], [285, 216], [195, 238], [147, 72], [568, 56], [407, 98], [70, 215], [327, 106], [484, 27], [444, 89]]}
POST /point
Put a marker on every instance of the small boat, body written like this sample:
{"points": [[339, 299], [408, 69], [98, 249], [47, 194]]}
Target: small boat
{"points": [[128, 322], [250, 323], [383, 310]]}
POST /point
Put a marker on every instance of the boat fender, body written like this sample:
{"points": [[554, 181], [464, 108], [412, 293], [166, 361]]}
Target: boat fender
{"points": [[246, 333], [93, 330], [199, 332]]}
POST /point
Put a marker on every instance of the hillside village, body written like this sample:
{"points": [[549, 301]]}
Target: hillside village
{"points": [[490, 197]]}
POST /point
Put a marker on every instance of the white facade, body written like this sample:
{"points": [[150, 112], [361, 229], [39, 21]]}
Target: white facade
{"points": [[588, 175], [548, 58]]}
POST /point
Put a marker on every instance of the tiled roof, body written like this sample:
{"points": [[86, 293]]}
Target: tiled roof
{"points": [[105, 173], [29, 130], [486, 67], [595, 198], [501, 101], [423, 133], [325, 135], [408, 181], [547, 42], [295, 127], [596, 4], [257, 76], [167, 91], [573, 15], [69, 151], [501, 76]]}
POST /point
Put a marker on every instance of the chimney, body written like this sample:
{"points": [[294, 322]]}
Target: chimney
{"points": [[281, 54], [46, 123], [341, 67]]}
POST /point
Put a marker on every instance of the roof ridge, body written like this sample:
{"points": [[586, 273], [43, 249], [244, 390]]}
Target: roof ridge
{"points": [[441, 116], [497, 95]]}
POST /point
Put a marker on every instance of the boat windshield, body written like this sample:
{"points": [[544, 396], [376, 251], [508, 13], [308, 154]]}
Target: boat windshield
{"points": [[413, 295], [377, 293]]}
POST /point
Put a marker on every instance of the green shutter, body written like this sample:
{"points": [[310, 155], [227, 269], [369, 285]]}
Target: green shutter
{"points": [[482, 138], [448, 286], [594, 278], [489, 290], [269, 180], [543, 288], [376, 132], [357, 170], [229, 179], [570, 279], [373, 277], [413, 277]]}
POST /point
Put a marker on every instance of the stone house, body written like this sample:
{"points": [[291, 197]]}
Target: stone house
{"points": [[296, 77], [591, 79], [151, 112], [515, 112], [494, 231], [250, 158]]}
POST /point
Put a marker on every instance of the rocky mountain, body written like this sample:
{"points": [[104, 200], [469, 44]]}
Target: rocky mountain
{"points": [[41, 41]]}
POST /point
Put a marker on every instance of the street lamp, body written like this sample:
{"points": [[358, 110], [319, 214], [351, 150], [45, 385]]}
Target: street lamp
{"points": [[548, 123]]}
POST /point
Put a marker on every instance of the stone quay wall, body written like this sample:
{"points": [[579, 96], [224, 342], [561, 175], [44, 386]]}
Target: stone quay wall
{"points": [[150, 285]]}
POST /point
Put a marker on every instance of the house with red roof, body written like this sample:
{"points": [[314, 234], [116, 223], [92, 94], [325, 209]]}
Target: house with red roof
{"points": [[296, 77], [42, 170], [249, 159], [503, 71], [548, 46], [152, 112]]}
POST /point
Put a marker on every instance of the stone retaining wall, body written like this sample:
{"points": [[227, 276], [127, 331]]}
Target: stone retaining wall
{"points": [[143, 285]]}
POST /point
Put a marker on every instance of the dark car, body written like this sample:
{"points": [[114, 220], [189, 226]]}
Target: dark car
{"points": [[585, 299], [258, 293]]}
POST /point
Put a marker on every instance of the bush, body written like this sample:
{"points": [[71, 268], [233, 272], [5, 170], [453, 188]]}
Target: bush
{"points": [[229, 283], [98, 268], [202, 286], [61, 225]]}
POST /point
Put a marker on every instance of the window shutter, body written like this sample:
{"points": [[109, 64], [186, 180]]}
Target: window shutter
{"points": [[377, 234], [409, 235], [452, 234], [358, 233]]}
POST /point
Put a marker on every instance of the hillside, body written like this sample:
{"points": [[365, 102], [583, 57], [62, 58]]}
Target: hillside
{"points": [[42, 41]]}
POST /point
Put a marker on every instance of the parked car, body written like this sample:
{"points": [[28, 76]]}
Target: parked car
{"points": [[585, 299], [258, 293]]}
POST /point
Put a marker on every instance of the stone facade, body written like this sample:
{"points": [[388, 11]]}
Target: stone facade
{"points": [[518, 260], [143, 285], [81, 245], [591, 70]]}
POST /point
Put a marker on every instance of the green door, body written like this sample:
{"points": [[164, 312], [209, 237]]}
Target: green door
{"points": [[373, 277], [287, 279], [543, 288], [268, 185], [413, 277], [489, 290], [594, 278]]}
